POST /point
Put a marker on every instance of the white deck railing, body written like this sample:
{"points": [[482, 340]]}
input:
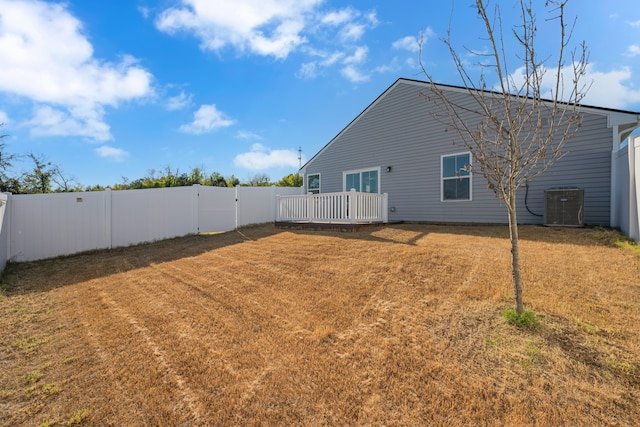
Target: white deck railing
{"points": [[347, 207]]}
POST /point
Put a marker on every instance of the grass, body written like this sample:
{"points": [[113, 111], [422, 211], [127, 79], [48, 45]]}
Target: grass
{"points": [[396, 325], [527, 319], [621, 241], [29, 345], [628, 245]]}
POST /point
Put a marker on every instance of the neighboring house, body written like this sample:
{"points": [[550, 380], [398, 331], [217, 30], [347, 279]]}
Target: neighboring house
{"points": [[395, 146]]}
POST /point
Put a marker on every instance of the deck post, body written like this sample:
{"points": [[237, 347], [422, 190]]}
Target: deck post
{"points": [[385, 207], [353, 203]]}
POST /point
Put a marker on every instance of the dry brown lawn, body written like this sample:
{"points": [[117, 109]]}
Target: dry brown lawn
{"points": [[395, 325]]}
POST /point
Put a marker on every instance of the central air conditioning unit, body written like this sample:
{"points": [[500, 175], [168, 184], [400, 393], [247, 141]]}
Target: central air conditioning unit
{"points": [[564, 207]]}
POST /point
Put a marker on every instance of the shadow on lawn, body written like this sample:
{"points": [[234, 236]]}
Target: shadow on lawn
{"points": [[45, 275], [411, 233], [42, 276]]}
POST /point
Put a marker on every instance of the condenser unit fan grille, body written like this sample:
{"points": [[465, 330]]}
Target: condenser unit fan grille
{"points": [[564, 207]]}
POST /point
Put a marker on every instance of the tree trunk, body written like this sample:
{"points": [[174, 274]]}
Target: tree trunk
{"points": [[515, 255]]}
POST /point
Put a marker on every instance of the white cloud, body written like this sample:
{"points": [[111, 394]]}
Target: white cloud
{"points": [[352, 32], [633, 50], [409, 43], [261, 158], [47, 58], [351, 73], [372, 18], [276, 28], [178, 102], [338, 17], [265, 27], [308, 70], [245, 134], [611, 89], [352, 24], [49, 121], [112, 153], [635, 24], [332, 59], [4, 118], [393, 66], [359, 56], [207, 119], [144, 11], [312, 69]]}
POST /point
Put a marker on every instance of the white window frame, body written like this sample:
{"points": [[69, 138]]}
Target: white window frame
{"points": [[306, 183], [360, 171], [442, 178]]}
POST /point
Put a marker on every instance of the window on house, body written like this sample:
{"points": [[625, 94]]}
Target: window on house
{"points": [[313, 183], [456, 177], [366, 180]]}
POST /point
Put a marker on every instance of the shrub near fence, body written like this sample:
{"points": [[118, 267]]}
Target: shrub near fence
{"points": [[39, 226]]}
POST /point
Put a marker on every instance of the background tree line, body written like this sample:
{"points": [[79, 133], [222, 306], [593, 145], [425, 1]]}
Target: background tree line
{"points": [[42, 176], [168, 177]]}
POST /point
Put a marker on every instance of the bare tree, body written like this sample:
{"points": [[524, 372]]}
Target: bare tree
{"points": [[38, 179], [64, 182], [6, 162], [6, 159], [519, 127], [259, 180]]}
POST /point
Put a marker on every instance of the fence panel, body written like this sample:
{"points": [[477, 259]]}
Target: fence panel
{"points": [[257, 205], [216, 209], [139, 216], [253, 205], [50, 225]]}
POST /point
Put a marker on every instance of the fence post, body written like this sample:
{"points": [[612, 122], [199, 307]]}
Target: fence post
{"points": [[277, 208], [237, 188], [353, 202], [108, 231], [385, 207], [8, 216], [195, 208]]}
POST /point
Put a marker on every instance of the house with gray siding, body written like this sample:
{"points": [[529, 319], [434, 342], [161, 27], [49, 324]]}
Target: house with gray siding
{"points": [[395, 146]]}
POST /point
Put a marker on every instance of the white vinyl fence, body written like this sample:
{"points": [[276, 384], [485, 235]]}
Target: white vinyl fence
{"points": [[43, 226], [4, 231], [626, 215]]}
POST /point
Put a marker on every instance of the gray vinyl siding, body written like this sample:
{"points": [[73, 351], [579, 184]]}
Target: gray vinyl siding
{"points": [[398, 130], [587, 165]]}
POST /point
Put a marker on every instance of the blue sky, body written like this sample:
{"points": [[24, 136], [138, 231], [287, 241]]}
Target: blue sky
{"points": [[112, 89]]}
